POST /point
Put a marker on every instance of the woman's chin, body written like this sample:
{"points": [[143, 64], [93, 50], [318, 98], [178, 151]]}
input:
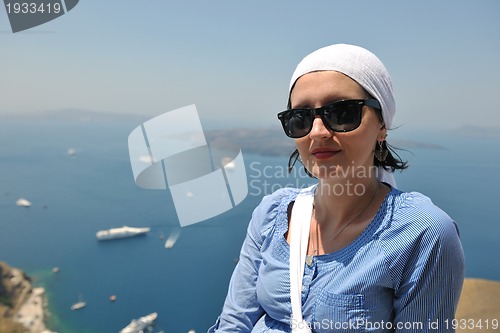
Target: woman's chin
{"points": [[327, 171]]}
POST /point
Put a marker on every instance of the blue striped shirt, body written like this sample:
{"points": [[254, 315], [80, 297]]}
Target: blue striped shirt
{"points": [[404, 273]]}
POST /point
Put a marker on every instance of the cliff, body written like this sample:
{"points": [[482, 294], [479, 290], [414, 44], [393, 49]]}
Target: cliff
{"points": [[479, 309], [21, 305]]}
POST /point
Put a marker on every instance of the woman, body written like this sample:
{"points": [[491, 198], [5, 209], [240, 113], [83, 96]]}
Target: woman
{"points": [[378, 259]]}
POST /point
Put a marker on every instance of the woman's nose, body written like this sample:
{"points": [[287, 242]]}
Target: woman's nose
{"points": [[319, 130]]}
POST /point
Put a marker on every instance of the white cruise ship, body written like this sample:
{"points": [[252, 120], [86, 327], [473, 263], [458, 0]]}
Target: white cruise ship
{"points": [[138, 325], [122, 232]]}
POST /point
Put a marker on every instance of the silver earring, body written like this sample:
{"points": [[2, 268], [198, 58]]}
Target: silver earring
{"points": [[381, 151]]}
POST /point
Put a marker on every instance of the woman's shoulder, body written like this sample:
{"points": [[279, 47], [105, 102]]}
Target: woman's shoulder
{"points": [[415, 204], [417, 233], [414, 212], [281, 194], [266, 214], [271, 202]]}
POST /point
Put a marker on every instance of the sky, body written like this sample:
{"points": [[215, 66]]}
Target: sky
{"points": [[234, 59]]}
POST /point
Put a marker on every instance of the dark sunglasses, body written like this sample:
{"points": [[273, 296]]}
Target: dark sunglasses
{"points": [[339, 116]]}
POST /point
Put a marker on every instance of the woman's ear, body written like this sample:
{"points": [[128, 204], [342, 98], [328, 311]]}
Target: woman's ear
{"points": [[382, 134]]}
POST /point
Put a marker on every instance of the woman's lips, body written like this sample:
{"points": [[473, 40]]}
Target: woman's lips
{"points": [[322, 154]]}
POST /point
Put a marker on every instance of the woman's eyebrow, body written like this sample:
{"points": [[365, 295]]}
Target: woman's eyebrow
{"points": [[305, 105]]}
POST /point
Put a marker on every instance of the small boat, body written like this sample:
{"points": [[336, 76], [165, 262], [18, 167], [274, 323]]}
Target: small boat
{"points": [[112, 298], [138, 325], [79, 305], [170, 242], [21, 202], [123, 232], [172, 239]]}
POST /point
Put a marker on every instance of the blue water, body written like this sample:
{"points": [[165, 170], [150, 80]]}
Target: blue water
{"points": [[74, 197]]}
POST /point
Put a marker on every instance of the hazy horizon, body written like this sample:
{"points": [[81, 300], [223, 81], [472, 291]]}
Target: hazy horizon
{"points": [[400, 133]]}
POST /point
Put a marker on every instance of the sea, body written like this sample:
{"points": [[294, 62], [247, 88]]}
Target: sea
{"points": [[92, 188]]}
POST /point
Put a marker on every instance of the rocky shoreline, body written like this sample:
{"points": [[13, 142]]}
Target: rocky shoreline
{"points": [[22, 307]]}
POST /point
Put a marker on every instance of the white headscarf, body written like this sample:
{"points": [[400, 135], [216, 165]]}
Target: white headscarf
{"points": [[363, 67]]}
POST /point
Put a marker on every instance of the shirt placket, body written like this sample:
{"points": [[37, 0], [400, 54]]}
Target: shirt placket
{"points": [[309, 272]]}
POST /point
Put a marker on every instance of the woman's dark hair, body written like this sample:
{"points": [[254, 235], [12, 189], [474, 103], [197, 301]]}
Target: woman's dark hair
{"points": [[393, 161]]}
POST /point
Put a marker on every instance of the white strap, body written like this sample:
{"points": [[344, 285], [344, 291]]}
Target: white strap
{"points": [[299, 229]]}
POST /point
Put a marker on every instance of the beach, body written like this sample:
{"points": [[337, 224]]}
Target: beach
{"points": [[32, 313]]}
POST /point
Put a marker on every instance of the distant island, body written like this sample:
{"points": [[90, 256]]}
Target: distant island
{"points": [[74, 115], [272, 141], [477, 131], [267, 141], [261, 141]]}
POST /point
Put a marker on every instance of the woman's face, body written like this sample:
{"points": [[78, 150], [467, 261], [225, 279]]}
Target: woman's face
{"points": [[328, 154]]}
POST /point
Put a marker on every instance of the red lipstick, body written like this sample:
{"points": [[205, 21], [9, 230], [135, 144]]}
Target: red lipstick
{"points": [[324, 153]]}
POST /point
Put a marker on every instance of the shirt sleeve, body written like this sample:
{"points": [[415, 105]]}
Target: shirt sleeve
{"points": [[241, 308], [429, 269]]}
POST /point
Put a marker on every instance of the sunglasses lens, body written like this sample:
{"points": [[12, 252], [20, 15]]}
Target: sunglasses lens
{"points": [[297, 123], [343, 117]]}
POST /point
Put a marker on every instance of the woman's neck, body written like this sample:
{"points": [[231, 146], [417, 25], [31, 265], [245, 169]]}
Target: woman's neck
{"points": [[337, 201]]}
